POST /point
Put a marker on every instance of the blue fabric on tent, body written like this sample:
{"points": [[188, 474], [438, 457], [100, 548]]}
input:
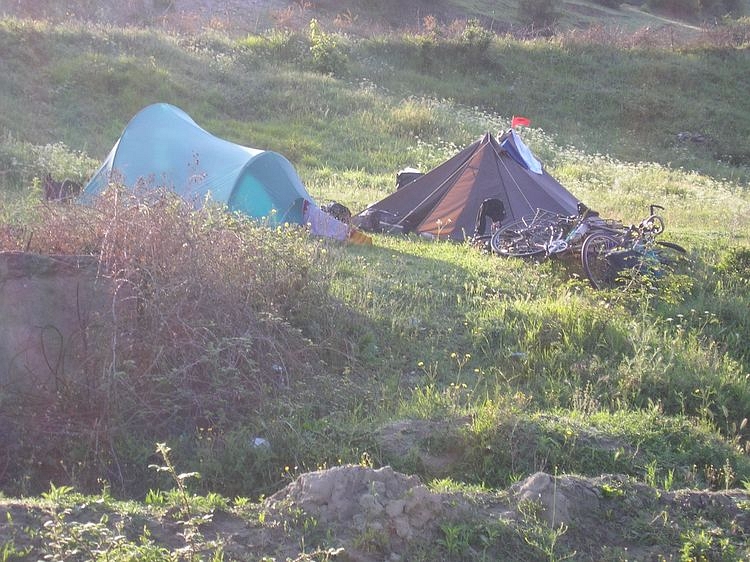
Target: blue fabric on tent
{"points": [[162, 147], [521, 153]]}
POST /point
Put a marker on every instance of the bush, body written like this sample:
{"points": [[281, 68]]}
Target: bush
{"points": [[461, 46], [22, 162], [327, 55], [475, 41], [206, 320]]}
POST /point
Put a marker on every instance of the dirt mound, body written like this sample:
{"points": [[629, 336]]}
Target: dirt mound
{"points": [[361, 514], [357, 497]]}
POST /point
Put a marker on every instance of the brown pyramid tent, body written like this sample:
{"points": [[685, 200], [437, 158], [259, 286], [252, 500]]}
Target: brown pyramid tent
{"points": [[444, 202]]}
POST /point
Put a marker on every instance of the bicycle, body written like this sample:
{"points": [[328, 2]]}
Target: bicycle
{"points": [[599, 242], [525, 237], [606, 255], [569, 234], [546, 233]]}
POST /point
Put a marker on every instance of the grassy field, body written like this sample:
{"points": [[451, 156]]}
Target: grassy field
{"points": [[549, 372]]}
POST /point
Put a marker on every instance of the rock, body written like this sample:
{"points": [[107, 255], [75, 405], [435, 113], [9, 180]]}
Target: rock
{"points": [[562, 499], [359, 497]]}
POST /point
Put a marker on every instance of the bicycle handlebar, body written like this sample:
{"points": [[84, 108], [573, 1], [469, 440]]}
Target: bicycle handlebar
{"points": [[652, 207]]}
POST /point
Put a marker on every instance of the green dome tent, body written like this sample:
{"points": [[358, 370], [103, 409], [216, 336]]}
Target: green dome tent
{"points": [[162, 147]]}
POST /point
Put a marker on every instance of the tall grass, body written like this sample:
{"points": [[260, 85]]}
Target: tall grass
{"points": [[209, 317], [642, 96]]}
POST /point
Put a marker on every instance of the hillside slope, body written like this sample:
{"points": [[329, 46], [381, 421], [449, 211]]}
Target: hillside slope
{"points": [[545, 419], [628, 95], [361, 17]]}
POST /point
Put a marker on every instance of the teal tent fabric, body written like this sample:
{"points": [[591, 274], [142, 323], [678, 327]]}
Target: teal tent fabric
{"points": [[162, 147]]}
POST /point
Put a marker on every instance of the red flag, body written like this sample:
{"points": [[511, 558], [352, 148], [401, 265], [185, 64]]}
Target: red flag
{"points": [[517, 120]]}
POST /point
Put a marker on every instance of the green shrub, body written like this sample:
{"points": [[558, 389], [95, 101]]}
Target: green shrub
{"points": [[22, 162], [462, 46], [327, 55], [475, 40]]}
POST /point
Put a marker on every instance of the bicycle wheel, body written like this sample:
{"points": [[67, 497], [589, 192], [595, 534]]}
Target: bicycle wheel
{"points": [[653, 224], [672, 246], [525, 237], [482, 243], [595, 252], [669, 253]]}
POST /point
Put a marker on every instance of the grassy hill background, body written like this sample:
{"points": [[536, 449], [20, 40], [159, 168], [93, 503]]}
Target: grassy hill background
{"points": [[646, 86], [525, 367]]}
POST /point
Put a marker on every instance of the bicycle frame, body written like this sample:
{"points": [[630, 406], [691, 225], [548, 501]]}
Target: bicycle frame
{"points": [[571, 231]]}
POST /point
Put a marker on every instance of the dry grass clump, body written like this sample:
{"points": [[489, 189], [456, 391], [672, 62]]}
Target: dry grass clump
{"points": [[204, 320]]}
